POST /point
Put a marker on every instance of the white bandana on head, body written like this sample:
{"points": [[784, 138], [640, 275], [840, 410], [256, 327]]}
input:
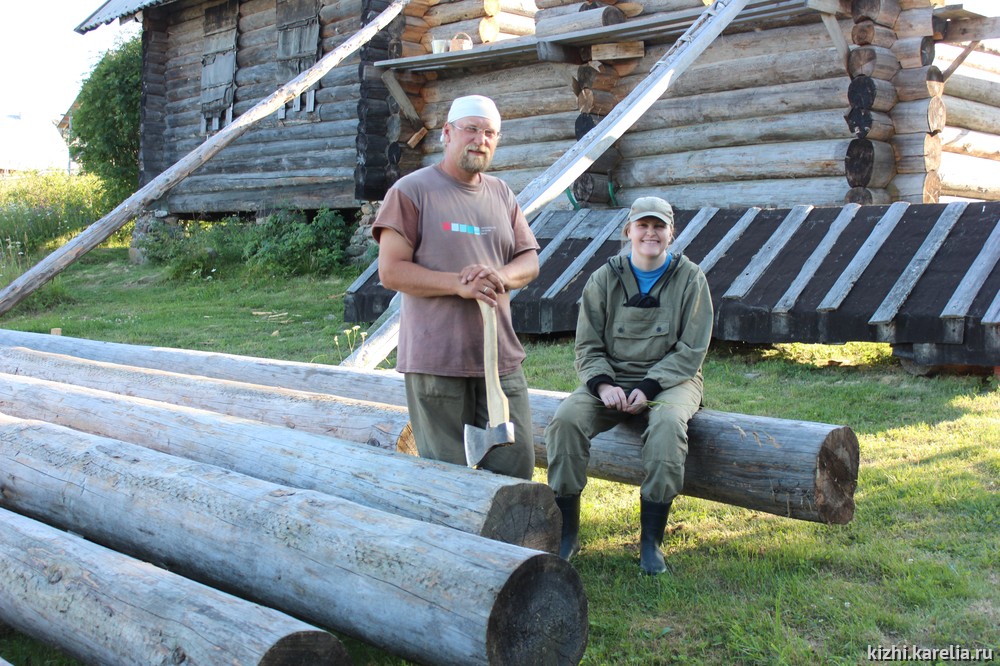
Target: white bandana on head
{"points": [[474, 105]]}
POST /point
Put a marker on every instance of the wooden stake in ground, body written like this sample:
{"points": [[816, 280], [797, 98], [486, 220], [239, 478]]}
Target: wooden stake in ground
{"points": [[101, 230], [103, 607]]}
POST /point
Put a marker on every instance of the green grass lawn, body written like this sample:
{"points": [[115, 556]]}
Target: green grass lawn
{"points": [[918, 565]]}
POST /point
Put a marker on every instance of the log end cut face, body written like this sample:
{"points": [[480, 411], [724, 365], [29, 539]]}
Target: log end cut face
{"points": [[540, 616], [837, 476], [307, 647], [526, 515]]}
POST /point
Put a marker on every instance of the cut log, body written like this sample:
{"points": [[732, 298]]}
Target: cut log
{"points": [[871, 93], [615, 455], [585, 20], [914, 52], [870, 163], [103, 607], [970, 177], [917, 153], [969, 142], [426, 593], [596, 102], [920, 115], [919, 83], [882, 12], [866, 197], [597, 76], [868, 124], [370, 473], [872, 61], [973, 115], [803, 159], [593, 188], [869, 33], [916, 187], [974, 89], [916, 22]]}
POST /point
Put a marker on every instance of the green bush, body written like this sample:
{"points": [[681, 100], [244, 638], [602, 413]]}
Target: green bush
{"points": [[285, 244]]}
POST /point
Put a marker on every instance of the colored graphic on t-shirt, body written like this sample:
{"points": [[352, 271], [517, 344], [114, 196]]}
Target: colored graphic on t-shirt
{"points": [[465, 228]]}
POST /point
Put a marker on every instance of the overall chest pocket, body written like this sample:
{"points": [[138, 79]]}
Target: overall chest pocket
{"points": [[643, 334]]}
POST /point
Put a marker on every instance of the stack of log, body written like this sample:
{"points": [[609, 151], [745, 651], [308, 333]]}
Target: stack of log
{"points": [[970, 141], [481, 21], [896, 110]]}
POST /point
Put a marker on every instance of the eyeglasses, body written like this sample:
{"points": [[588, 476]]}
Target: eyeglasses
{"points": [[472, 131]]}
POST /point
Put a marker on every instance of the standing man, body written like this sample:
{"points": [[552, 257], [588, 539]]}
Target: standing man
{"points": [[450, 235]]}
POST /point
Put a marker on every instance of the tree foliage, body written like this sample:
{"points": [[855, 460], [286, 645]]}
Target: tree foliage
{"points": [[105, 127]]}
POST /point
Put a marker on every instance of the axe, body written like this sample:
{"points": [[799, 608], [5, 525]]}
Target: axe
{"points": [[500, 429]]}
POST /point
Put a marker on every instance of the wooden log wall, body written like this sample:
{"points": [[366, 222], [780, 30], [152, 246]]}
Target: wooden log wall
{"points": [[896, 108], [970, 140], [305, 160], [728, 133]]}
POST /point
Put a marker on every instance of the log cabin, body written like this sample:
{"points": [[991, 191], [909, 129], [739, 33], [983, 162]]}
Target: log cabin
{"points": [[825, 104]]}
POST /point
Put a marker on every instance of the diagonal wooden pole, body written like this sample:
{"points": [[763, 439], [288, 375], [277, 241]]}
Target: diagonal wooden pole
{"points": [[384, 334], [100, 231]]}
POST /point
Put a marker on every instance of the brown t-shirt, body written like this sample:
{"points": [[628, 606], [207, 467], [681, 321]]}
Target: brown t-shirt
{"points": [[451, 225]]}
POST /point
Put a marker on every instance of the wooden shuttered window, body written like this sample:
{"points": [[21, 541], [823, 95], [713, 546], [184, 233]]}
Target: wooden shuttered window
{"points": [[298, 50], [218, 65]]}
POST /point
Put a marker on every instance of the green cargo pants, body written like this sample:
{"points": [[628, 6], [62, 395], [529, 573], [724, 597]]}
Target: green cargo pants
{"points": [[664, 440], [441, 406]]}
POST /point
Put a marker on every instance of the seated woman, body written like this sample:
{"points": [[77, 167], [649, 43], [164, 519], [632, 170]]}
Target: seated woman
{"points": [[644, 327]]}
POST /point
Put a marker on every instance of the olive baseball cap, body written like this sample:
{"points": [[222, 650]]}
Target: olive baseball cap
{"points": [[651, 207]]}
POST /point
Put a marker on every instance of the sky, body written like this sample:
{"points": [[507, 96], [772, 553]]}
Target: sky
{"points": [[43, 62]]}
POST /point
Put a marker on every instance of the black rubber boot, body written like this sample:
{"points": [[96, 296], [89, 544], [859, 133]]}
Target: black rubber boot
{"points": [[569, 506], [653, 522]]}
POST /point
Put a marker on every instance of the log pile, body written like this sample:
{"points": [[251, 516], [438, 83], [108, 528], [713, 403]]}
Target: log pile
{"points": [[427, 593], [802, 470], [897, 112]]}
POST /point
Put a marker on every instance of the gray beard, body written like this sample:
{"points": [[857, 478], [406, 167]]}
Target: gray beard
{"points": [[474, 163]]}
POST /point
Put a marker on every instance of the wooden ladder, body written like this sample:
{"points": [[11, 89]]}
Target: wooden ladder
{"points": [[384, 333]]}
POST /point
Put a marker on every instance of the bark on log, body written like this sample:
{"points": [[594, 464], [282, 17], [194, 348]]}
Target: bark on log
{"points": [[427, 593], [103, 607], [615, 454], [870, 163], [101, 230], [917, 153], [368, 473]]}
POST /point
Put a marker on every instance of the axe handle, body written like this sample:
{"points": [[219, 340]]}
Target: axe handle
{"points": [[496, 401]]}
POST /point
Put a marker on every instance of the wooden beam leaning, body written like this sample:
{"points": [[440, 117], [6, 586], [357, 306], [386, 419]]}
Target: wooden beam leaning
{"points": [[761, 451], [100, 231], [488, 505], [424, 592], [727, 241], [103, 607]]}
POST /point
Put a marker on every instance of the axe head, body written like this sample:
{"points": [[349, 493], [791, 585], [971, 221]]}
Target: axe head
{"points": [[480, 441]]}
